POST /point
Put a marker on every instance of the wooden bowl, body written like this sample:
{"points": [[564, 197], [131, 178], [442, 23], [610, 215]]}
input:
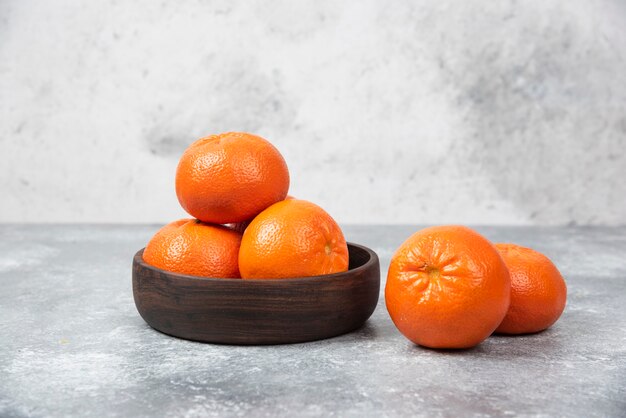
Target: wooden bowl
{"points": [[273, 311]]}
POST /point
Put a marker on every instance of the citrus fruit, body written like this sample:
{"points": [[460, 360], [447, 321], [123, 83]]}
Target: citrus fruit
{"points": [[230, 177], [189, 246], [292, 238], [538, 291], [447, 287]]}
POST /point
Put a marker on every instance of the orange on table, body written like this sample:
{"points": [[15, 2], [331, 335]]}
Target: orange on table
{"points": [[189, 246], [230, 177], [447, 287], [292, 238], [538, 291]]}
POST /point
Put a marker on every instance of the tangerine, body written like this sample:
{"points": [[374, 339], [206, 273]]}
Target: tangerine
{"points": [[230, 177], [189, 246], [447, 287], [292, 238], [538, 291]]}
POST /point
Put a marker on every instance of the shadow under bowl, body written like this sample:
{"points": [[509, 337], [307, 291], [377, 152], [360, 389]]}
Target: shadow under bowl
{"points": [[269, 311]]}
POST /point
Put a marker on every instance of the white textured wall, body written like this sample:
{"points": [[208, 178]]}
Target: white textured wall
{"points": [[386, 112]]}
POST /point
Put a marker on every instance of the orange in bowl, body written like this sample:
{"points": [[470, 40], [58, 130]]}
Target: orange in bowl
{"points": [[230, 177], [292, 238], [189, 246]]}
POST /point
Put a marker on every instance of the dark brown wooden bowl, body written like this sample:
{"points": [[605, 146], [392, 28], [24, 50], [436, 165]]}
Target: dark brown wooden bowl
{"points": [[275, 311]]}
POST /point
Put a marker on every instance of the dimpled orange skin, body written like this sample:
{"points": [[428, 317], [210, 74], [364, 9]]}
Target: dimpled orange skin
{"points": [[230, 177], [447, 287], [189, 246], [292, 238], [538, 291]]}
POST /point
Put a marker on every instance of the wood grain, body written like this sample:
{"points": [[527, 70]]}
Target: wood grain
{"points": [[236, 311]]}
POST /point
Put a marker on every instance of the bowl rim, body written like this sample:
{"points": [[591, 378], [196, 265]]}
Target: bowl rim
{"points": [[373, 259]]}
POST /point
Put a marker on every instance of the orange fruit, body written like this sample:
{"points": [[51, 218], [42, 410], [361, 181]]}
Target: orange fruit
{"points": [[447, 287], [292, 238], [538, 291], [189, 246], [230, 177]]}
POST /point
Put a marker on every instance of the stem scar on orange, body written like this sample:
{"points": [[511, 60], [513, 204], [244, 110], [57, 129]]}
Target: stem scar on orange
{"points": [[447, 287]]}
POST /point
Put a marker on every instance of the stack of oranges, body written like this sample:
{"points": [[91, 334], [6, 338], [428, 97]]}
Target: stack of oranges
{"points": [[244, 224], [449, 287]]}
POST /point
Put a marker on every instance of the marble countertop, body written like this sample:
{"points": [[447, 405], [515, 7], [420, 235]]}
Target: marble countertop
{"points": [[73, 344]]}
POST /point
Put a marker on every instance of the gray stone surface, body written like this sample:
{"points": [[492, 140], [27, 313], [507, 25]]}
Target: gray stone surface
{"points": [[72, 343]]}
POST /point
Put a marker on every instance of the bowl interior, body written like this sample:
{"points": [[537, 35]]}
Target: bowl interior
{"points": [[358, 256]]}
